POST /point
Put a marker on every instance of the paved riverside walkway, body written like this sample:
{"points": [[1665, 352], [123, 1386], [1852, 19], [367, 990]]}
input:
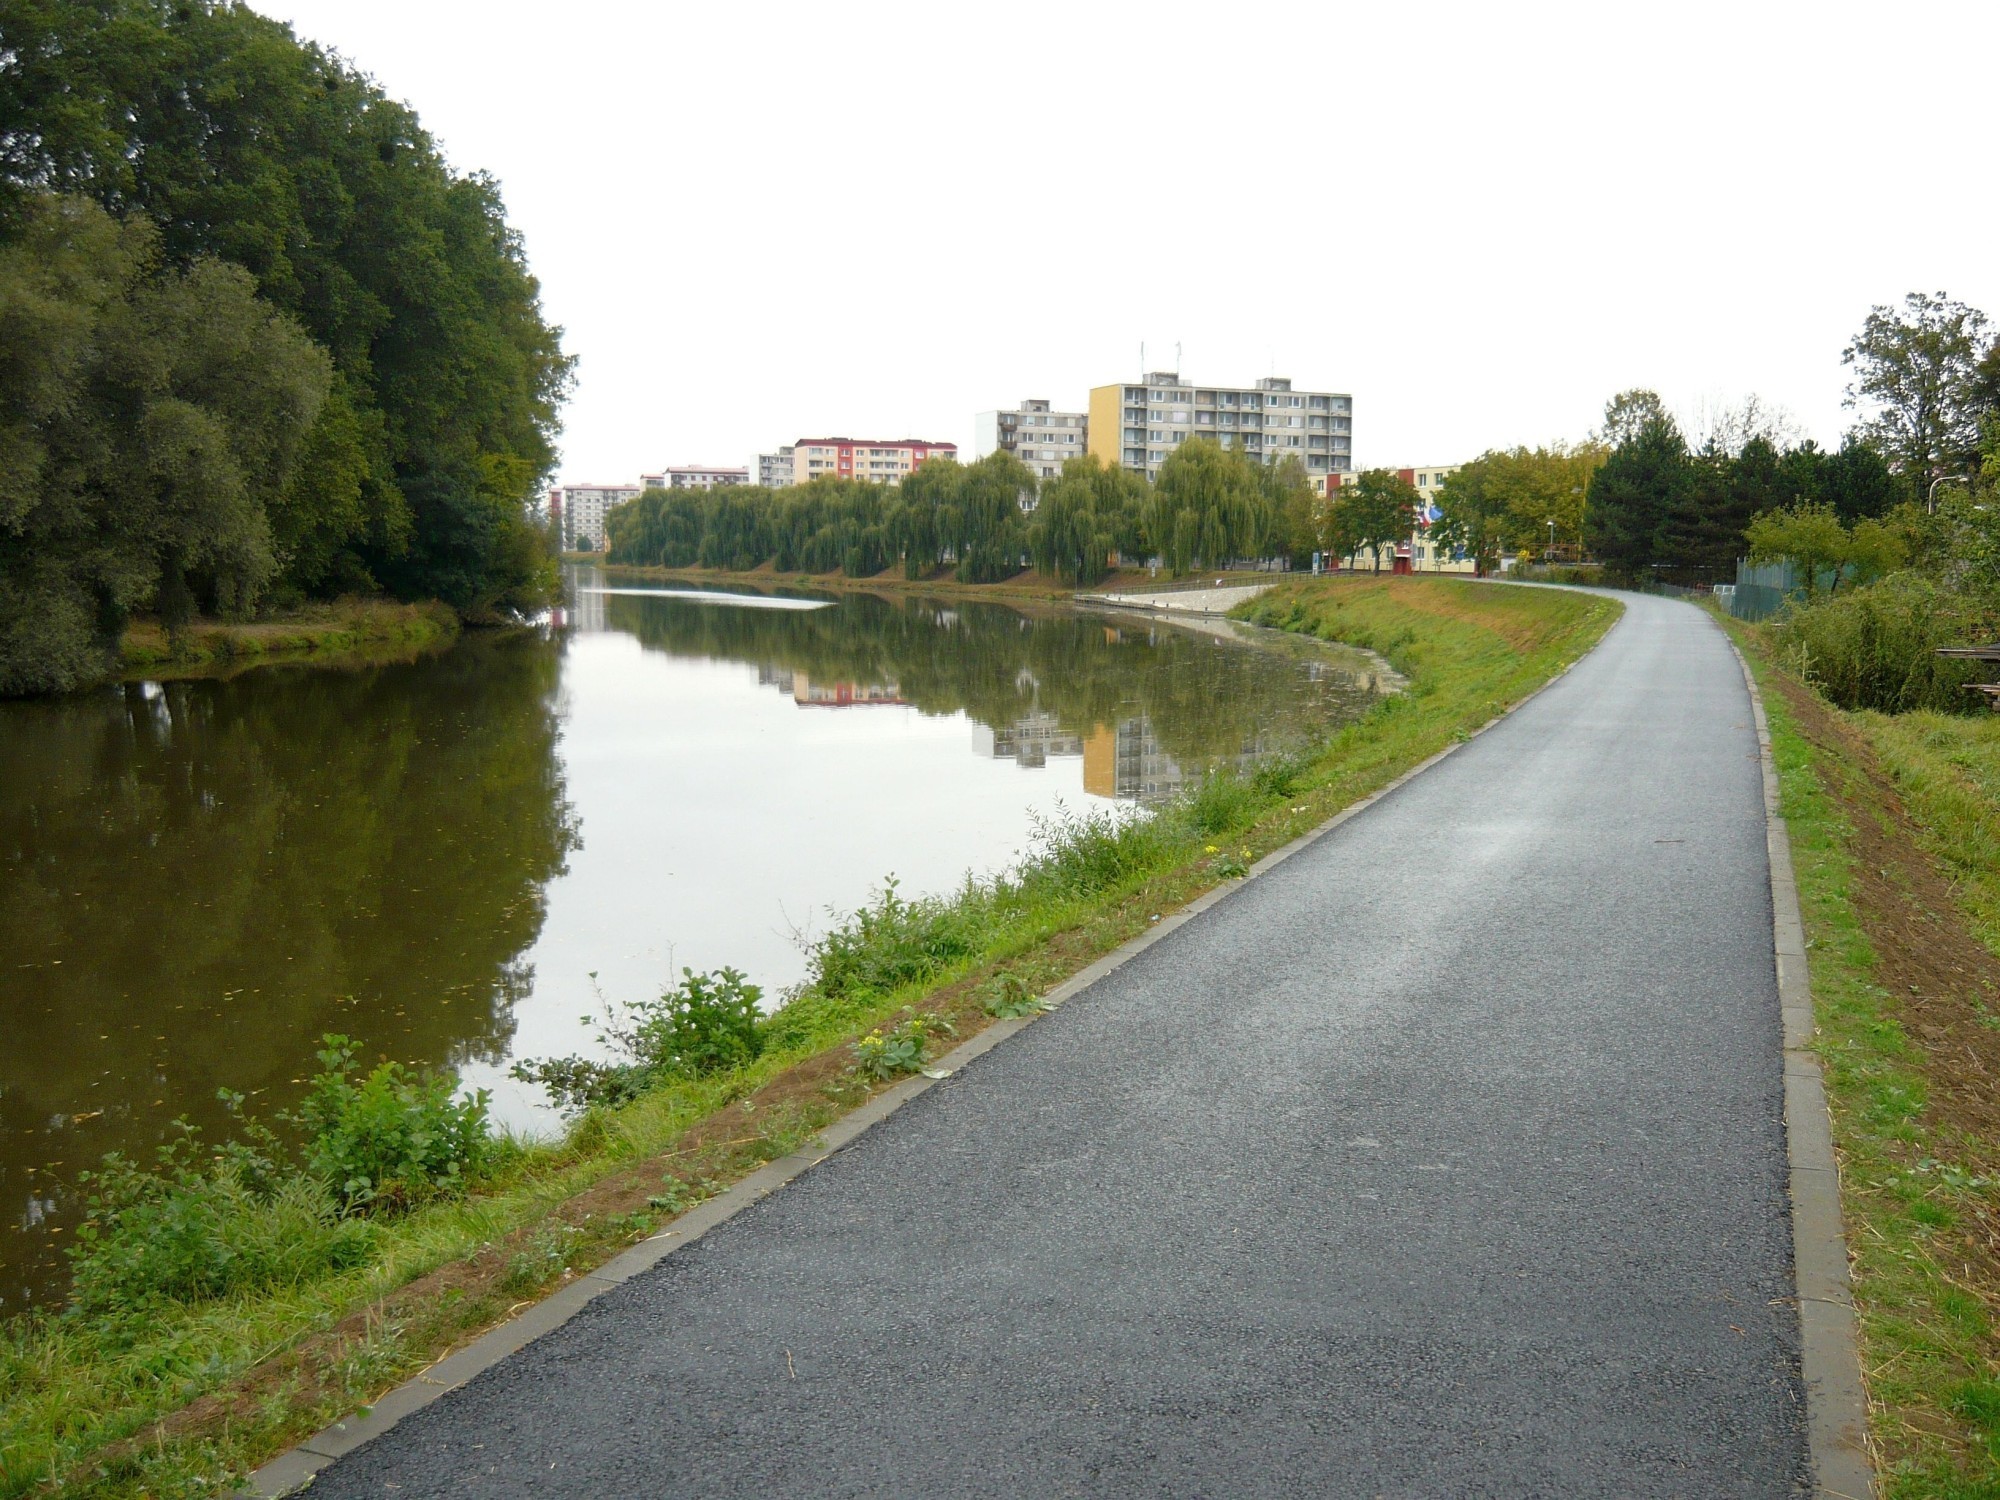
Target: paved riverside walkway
{"points": [[1444, 1159], [1211, 600]]}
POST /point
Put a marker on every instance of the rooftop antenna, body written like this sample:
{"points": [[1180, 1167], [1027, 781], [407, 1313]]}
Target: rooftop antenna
{"points": [[1142, 359], [1177, 356]]}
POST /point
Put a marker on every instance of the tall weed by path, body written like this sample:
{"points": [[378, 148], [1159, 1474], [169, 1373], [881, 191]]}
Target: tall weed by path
{"points": [[1219, 803], [894, 941], [1074, 855]]}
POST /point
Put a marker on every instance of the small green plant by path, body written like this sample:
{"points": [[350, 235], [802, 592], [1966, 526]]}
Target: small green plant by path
{"points": [[201, 1389], [1007, 997], [882, 1056]]}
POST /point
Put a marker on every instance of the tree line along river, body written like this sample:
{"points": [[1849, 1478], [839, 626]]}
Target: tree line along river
{"points": [[456, 859]]}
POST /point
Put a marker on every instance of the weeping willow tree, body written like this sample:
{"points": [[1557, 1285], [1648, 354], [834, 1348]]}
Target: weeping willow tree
{"points": [[1208, 508]]}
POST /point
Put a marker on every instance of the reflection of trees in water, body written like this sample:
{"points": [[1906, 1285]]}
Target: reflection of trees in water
{"points": [[1208, 700], [203, 878]]}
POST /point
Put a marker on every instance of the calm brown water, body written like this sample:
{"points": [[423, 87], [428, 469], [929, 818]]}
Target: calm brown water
{"points": [[198, 879]]}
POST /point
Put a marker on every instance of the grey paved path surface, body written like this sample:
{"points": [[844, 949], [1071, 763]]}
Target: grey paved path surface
{"points": [[1445, 1159]]}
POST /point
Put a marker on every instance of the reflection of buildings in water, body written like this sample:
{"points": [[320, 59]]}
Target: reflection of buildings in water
{"points": [[1125, 761], [1122, 761], [584, 610], [809, 694], [1029, 741]]}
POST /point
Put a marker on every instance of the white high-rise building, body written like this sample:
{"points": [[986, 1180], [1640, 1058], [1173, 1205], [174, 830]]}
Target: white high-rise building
{"points": [[578, 511], [1041, 438], [1136, 425], [774, 470]]}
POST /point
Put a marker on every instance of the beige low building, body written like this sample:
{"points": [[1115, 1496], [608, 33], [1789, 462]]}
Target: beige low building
{"points": [[1419, 554]]}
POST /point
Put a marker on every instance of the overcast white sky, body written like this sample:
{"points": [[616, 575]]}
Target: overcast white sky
{"points": [[762, 221]]}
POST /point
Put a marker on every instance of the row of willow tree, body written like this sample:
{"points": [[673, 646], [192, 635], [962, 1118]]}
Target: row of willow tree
{"points": [[987, 520], [261, 344]]}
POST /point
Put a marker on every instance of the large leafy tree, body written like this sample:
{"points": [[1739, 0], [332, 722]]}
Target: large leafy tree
{"points": [[1091, 510], [1292, 504], [1378, 510], [1917, 373], [244, 145], [150, 421], [1472, 516], [1809, 535]]}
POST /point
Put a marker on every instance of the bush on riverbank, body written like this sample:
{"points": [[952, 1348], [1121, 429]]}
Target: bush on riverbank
{"points": [[706, 1024], [246, 1214], [201, 1388], [1876, 646], [204, 1223]]}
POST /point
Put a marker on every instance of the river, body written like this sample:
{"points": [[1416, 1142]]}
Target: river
{"points": [[455, 859]]}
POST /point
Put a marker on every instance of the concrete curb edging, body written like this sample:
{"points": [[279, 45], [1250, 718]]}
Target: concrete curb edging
{"points": [[293, 1471], [1829, 1344]]}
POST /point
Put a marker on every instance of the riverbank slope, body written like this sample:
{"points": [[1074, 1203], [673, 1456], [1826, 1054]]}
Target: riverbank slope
{"points": [[193, 1393], [1895, 832], [347, 631]]}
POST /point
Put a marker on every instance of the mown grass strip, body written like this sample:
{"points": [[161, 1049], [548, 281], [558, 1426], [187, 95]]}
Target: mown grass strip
{"points": [[1891, 822], [195, 1396]]}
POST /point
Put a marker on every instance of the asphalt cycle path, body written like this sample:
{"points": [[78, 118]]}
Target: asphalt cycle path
{"points": [[1446, 1158]]}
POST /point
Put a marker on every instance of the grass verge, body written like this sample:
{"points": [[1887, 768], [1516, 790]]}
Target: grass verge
{"points": [[185, 1399], [1895, 830], [349, 629]]}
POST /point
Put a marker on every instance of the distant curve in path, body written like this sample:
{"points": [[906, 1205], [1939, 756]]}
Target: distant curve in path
{"points": [[1446, 1158]]}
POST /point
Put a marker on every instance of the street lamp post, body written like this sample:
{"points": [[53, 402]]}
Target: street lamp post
{"points": [[1930, 496]]}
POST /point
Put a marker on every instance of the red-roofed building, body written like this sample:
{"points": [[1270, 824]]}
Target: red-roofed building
{"points": [[877, 460]]}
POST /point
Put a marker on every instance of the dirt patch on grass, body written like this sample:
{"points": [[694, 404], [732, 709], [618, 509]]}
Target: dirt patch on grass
{"points": [[1942, 981]]}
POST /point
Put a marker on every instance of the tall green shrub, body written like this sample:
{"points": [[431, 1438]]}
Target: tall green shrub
{"points": [[389, 1136], [1876, 646]]}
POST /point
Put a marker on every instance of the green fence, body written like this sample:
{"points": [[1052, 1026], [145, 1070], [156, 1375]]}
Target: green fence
{"points": [[1761, 591]]}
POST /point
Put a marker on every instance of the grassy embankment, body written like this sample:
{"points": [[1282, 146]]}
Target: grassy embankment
{"points": [[346, 630], [179, 1398], [1895, 828]]}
